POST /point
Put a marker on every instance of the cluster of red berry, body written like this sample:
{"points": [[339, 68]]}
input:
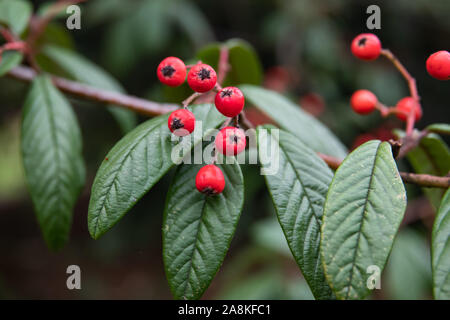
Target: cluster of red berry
{"points": [[367, 46], [229, 101]]}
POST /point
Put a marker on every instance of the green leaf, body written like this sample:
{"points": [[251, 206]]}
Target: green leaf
{"points": [[293, 119], [363, 210], [81, 69], [298, 190], [52, 156], [408, 273], [431, 156], [442, 128], [9, 60], [136, 163], [197, 229], [15, 14], [245, 64], [440, 250]]}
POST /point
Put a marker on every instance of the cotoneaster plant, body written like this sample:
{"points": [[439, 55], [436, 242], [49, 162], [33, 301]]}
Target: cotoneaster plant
{"points": [[339, 211]]}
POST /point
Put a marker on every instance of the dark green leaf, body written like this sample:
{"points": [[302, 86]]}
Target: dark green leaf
{"points": [[408, 273], [135, 164], [442, 128], [80, 69], [244, 62], [298, 190], [197, 229], [54, 168], [363, 210], [440, 250], [292, 118], [9, 60], [15, 14]]}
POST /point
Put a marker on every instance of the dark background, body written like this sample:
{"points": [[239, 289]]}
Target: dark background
{"points": [[304, 49]]}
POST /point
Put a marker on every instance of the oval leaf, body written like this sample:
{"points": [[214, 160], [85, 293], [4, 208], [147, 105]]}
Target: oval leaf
{"points": [[442, 128], [15, 14], [298, 190], [292, 118], [9, 60], [51, 150], [363, 210], [440, 251], [135, 164], [81, 69], [197, 229]]}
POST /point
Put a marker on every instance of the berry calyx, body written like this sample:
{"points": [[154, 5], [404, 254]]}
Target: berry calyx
{"points": [[210, 180], [230, 101], [405, 105], [438, 65], [202, 78], [363, 101], [366, 46], [171, 71], [181, 122], [230, 141]]}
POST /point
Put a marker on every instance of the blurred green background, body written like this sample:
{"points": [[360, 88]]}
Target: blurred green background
{"points": [[303, 47]]}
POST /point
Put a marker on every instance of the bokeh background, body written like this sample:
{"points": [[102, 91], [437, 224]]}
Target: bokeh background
{"points": [[304, 51]]}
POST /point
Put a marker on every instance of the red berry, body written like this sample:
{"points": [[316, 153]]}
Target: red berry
{"points": [[438, 65], [230, 101], [181, 122], [230, 141], [363, 101], [202, 78], [366, 46], [210, 180], [405, 105], [171, 71]]}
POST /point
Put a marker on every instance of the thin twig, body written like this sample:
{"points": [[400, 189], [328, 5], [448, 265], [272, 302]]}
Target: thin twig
{"points": [[191, 99], [412, 88], [138, 105], [410, 142], [247, 123], [423, 180], [150, 108]]}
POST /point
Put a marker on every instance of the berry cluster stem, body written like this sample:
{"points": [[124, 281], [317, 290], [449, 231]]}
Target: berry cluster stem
{"points": [[411, 84]]}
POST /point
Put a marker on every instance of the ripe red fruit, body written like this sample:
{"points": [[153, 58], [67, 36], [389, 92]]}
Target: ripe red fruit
{"points": [[366, 46], [210, 180], [363, 101], [438, 65], [230, 141], [171, 71], [405, 105], [230, 101], [202, 78], [181, 122]]}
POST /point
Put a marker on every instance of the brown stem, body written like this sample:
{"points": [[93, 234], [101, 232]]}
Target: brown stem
{"points": [[150, 108], [423, 180], [426, 180], [410, 142], [190, 99], [411, 84], [135, 104]]}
